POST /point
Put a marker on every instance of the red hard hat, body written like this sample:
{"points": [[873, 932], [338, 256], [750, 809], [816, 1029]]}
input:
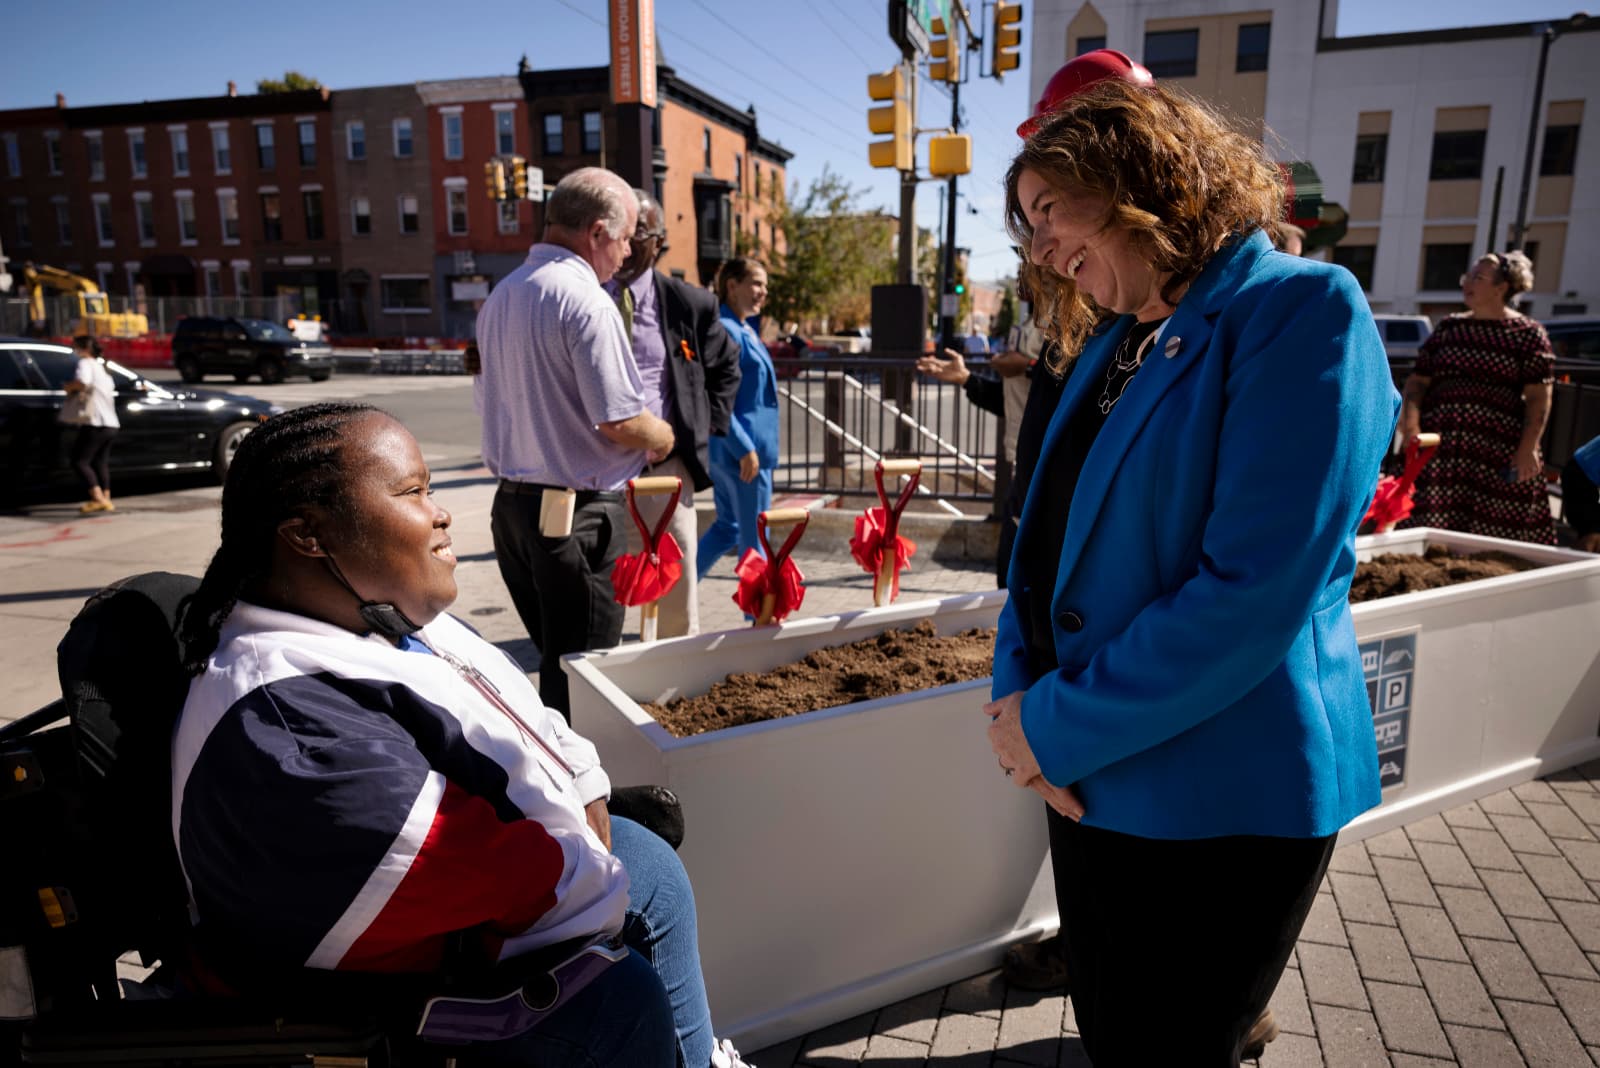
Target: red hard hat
{"points": [[1077, 75]]}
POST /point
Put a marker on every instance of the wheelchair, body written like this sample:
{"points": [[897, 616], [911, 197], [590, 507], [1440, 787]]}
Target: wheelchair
{"points": [[91, 877]]}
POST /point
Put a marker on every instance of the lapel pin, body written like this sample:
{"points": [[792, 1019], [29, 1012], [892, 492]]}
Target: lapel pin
{"points": [[1170, 349]]}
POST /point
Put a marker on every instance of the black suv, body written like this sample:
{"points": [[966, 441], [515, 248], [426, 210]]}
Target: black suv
{"points": [[202, 346]]}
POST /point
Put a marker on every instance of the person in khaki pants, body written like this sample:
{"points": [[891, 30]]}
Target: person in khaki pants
{"points": [[690, 370]]}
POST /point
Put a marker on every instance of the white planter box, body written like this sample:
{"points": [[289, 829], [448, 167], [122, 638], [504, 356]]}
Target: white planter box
{"points": [[842, 859], [1506, 685]]}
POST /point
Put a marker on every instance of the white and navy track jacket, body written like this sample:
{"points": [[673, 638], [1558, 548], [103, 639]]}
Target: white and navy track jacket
{"points": [[340, 803]]}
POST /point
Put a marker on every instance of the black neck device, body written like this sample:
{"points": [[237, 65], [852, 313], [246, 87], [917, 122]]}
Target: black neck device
{"points": [[382, 617]]}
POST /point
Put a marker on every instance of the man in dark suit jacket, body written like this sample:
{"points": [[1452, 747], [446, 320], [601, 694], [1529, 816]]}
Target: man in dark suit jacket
{"points": [[690, 368]]}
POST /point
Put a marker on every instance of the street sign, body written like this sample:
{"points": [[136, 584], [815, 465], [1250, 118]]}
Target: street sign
{"points": [[949, 306], [1389, 663], [535, 184], [910, 22]]}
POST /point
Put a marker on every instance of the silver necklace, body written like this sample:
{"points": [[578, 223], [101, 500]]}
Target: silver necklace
{"points": [[1127, 363]]}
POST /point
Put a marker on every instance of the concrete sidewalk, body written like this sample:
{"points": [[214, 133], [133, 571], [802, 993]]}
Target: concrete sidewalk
{"points": [[1471, 938]]}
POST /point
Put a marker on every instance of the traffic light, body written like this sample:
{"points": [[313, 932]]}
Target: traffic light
{"points": [[894, 119], [961, 287], [519, 178], [1007, 37], [944, 54], [494, 177], [950, 154]]}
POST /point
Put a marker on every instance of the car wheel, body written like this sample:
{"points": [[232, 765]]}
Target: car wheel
{"points": [[188, 368], [320, 376], [227, 444], [270, 370], [241, 377]]}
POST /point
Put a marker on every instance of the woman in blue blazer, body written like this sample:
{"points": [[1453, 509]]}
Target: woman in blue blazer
{"points": [[743, 459], [1176, 672]]}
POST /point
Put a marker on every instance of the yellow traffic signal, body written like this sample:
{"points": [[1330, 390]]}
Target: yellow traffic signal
{"points": [[944, 54], [894, 119], [494, 177], [950, 154], [519, 178], [1007, 37]]}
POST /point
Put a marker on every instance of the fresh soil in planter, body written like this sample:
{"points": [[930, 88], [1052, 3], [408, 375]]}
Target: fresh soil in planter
{"points": [[901, 661], [896, 661], [1392, 574]]}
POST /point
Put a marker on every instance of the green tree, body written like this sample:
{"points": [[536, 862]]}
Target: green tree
{"points": [[833, 252], [1006, 317], [291, 82]]}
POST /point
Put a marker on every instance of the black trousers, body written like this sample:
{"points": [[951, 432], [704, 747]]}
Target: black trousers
{"points": [[1174, 947], [91, 455], [561, 587]]}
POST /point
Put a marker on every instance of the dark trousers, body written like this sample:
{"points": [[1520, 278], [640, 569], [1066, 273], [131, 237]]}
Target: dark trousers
{"points": [[561, 587], [1174, 947], [91, 455]]}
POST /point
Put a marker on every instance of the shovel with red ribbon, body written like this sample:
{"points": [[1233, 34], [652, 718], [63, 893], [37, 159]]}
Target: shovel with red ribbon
{"points": [[1393, 500], [771, 587], [878, 546], [643, 578]]}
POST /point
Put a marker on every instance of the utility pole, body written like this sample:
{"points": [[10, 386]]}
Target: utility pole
{"points": [[907, 274], [949, 304]]}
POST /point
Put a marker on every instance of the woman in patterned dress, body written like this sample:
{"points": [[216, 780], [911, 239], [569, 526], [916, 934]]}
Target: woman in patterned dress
{"points": [[1482, 382]]}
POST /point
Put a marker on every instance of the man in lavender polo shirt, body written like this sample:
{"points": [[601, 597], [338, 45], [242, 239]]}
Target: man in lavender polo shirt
{"points": [[690, 369], [563, 407]]}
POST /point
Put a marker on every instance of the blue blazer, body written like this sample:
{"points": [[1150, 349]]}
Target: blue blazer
{"points": [[1209, 681], [754, 427]]}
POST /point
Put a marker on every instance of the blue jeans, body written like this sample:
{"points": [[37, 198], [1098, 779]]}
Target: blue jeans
{"points": [[649, 1010], [738, 504]]}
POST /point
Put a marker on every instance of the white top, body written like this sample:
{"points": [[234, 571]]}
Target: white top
{"points": [[100, 392]]}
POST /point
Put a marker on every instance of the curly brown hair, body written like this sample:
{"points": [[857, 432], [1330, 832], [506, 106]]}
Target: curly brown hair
{"points": [[1179, 179]]}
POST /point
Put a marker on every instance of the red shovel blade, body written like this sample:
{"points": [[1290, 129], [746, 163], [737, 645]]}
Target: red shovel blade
{"points": [[641, 577]]}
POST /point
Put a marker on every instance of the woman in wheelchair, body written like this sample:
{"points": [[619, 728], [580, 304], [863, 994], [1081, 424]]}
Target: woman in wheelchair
{"points": [[359, 780]]}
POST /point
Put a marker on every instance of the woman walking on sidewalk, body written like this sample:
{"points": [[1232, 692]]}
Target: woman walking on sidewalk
{"points": [[92, 407]]}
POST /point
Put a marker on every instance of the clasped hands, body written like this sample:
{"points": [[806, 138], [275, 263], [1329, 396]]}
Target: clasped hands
{"points": [[1016, 757]]}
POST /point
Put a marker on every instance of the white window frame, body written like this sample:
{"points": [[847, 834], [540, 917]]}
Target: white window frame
{"points": [[400, 213], [138, 152], [445, 117], [102, 275], [52, 151], [182, 161], [218, 163], [63, 209], [453, 187], [350, 129], [224, 196], [241, 278], [146, 198], [411, 137], [405, 278], [211, 272], [272, 139], [355, 214], [13, 155], [103, 225], [97, 167], [599, 131], [507, 108], [300, 124], [179, 198]]}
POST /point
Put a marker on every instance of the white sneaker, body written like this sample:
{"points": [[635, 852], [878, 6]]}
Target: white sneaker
{"points": [[723, 1055]]}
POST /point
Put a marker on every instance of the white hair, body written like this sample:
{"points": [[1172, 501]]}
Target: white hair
{"points": [[589, 195]]}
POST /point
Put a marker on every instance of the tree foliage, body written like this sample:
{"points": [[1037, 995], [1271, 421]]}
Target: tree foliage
{"points": [[834, 251], [291, 82]]}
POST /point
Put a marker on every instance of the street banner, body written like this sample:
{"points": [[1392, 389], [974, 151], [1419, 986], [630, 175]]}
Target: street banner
{"points": [[633, 52]]}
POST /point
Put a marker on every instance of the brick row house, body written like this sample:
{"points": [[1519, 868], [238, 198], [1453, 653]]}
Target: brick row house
{"points": [[366, 206]]}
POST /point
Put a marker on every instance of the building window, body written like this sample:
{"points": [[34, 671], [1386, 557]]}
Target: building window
{"points": [[360, 216], [19, 216], [452, 135], [266, 154], [180, 151], [1442, 265], [221, 152], [130, 275], [705, 147], [509, 223], [456, 208], [187, 233], [97, 157], [505, 131], [738, 171], [144, 215], [311, 202], [63, 222], [407, 295], [756, 174], [591, 131], [552, 134], [271, 218], [402, 139], [102, 223], [1172, 53], [1457, 154], [1254, 41], [355, 140], [1371, 152], [1560, 153], [1358, 260], [408, 215], [13, 156], [241, 281], [308, 143], [102, 276], [1089, 44], [213, 281], [52, 151], [136, 157], [228, 209]]}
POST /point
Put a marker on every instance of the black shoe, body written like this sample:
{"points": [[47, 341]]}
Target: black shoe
{"points": [[1036, 965]]}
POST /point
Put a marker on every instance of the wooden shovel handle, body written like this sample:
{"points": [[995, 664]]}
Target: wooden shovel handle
{"points": [[900, 467], [1427, 441], [655, 485], [776, 516]]}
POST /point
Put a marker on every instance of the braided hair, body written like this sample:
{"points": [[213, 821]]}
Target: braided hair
{"points": [[287, 463]]}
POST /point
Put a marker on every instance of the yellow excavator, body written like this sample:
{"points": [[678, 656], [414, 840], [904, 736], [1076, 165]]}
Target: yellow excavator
{"points": [[94, 315]]}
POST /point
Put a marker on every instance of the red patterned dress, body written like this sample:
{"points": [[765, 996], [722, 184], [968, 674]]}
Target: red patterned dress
{"points": [[1479, 368]]}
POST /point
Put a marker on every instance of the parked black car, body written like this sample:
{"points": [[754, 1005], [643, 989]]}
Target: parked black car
{"points": [[162, 430], [204, 345]]}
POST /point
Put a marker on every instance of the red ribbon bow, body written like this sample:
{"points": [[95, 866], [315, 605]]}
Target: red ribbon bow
{"points": [[774, 574], [1394, 499], [639, 578], [867, 546], [683, 346]]}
